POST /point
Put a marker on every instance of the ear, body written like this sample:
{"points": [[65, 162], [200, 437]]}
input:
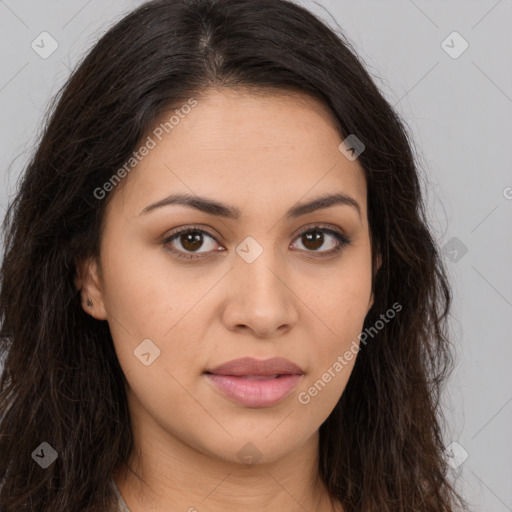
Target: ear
{"points": [[376, 267], [88, 282]]}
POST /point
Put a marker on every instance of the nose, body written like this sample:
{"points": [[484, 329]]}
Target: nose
{"points": [[261, 298]]}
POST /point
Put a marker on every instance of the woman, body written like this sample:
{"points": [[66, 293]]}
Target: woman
{"points": [[219, 291]]}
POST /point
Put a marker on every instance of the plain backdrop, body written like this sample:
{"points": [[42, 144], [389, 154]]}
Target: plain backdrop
{"points": [[446, 67]]}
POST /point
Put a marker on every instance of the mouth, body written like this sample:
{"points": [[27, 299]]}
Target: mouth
{"points": [[254, 383]]}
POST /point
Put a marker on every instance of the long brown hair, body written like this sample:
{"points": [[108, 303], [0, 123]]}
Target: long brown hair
{"points": [[381, 449]]}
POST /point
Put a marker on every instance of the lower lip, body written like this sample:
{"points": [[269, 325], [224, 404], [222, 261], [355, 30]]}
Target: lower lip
{"points": [[255, 392]]}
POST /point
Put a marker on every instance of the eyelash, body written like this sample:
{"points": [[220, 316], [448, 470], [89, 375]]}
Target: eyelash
{"points": [[342, 240]]}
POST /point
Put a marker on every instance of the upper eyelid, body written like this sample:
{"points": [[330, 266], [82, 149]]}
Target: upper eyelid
{"points": [[341, 238], [324, 227], [319, 226]]}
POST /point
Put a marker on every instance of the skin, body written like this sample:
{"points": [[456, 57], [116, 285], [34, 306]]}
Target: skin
{"points": [[262, 154]]}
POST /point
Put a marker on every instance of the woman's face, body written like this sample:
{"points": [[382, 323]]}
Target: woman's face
{"points": [[244, 283]]}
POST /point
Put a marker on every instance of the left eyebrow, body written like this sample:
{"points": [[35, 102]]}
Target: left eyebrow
{"points": [[219, 209], [321, 202]]}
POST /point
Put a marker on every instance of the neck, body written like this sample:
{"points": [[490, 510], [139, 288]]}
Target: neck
{"points": [[172, 472]]}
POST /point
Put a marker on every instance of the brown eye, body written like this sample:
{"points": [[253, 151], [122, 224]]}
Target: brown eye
{"points": [[191, 241], [188, 241], [313, 238]]}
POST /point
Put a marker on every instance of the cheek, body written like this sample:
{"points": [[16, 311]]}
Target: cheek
{"points": [[148, 299], [139, 292], [343, 299], [344, 318], [333, 356], [339, 312]]}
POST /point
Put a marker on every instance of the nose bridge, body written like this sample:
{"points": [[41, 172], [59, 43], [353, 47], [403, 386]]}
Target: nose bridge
{"points": [[258, 266], [260, 296]]}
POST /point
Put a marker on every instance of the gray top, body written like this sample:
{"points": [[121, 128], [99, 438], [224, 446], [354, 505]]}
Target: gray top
{"points": [[122, 506]]}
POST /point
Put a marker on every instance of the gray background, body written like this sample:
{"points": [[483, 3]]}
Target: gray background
{"points": [[459, 111]]}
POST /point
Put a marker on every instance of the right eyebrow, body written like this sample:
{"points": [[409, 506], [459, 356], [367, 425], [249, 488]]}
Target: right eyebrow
{"points": [[213, 207]]}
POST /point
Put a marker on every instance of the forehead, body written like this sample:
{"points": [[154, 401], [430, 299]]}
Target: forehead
{"points": [[251, 149]]}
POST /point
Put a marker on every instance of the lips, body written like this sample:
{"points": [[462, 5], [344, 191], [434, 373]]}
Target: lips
{"points": [[248, 366], [255, 383]]}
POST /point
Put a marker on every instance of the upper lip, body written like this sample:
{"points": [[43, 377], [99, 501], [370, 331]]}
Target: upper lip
{"points": [[256, 367]]}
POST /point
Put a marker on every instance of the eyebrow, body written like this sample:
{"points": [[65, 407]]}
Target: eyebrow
{"points": [[219, 209]]}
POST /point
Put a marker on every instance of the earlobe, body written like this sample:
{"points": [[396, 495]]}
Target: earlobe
{"points": [[88, 282]]}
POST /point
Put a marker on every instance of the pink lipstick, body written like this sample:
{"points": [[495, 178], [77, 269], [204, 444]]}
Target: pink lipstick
{"points": [[256, 383]]}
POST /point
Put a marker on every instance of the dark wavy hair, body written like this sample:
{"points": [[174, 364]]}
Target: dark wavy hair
{"points": [[381, 448]]}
